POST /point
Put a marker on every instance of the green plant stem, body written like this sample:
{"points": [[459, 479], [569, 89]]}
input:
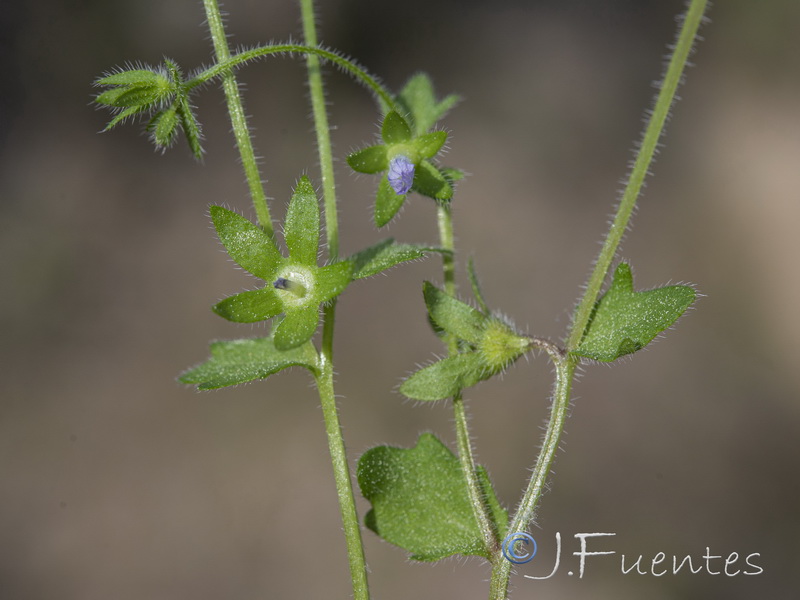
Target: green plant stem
{"points": [[465, 454], [348, 66], [341, 470], [322, 130], [641, 166], [565, 363], [565, 370], [238, 118]]}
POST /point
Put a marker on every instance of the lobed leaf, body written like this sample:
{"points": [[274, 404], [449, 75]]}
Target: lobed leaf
{"points": [[240, 361], [625, 321], [420, 500]]}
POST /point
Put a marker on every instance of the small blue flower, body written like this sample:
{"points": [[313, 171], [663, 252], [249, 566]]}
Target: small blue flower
{"points": [[401, 174]]}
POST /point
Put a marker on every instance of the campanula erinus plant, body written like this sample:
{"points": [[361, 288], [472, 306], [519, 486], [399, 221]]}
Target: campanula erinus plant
{"points": [[429, 500]]}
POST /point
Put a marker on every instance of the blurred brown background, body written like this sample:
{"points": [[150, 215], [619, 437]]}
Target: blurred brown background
{"points": [[119, 483]]}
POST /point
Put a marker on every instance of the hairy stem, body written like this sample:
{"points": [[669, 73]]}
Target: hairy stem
{"points": [[655, 127], [564, 362], [237, 115], [465, 455], [565, 370], [322, 130], [348, 66], [341, 470]]}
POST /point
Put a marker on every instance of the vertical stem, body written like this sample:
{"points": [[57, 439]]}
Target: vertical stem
{"points": [[322, 130], [341, 470], [465, 455], [341, 474], [655, 127], [238, 118], [566, 364]]}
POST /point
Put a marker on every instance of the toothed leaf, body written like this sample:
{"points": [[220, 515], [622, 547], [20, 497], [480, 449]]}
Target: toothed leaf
{"points": [[385, 255], [625, 321], [240, 361], [420, 501]]}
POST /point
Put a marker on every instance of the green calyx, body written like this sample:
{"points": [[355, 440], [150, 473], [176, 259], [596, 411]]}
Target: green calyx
{"points": [[296, 285], [160, 92], [489, 345], [409, 136]]}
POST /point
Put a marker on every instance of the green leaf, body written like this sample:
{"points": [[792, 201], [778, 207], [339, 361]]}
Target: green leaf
{"points": [[369, 160], [420, 500], [387, 203], [250, 307], [297, 327], [427, 145], [240, 361], [190, 126], [301, 228], [141, 77], [454, 316], [477, 292], [332, 280], [128, 112], [395, 130], [247, 244], [430, 182], [625, 321], [164, 127], [385, 255], [445, 378], [418, 99]]}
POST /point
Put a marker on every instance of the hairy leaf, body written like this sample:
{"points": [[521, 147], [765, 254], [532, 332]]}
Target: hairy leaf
{"points": [[625, 321], [301, 228], [420, 500], [445, 378], [385, 255], [240, 361], [247, 244], [452, 315]]}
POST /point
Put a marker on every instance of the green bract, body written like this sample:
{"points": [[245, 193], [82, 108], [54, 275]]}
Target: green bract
{"points": [[296, 286], [624, 321], [420, 500], [489, 346]]}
